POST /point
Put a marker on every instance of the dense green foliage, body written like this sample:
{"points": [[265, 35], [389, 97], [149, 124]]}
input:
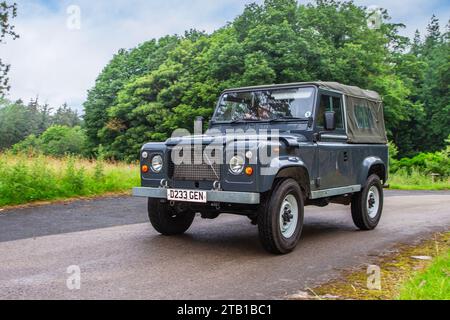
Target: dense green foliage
{"points": [[55, 141], [426, 67], [26, 179], [425, 162], [416, 173], [125, 66], [280, 41], [19, 121]]}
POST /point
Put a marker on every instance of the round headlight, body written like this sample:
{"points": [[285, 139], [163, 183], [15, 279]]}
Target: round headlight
{"points": [[157, 164], [237, 165]]}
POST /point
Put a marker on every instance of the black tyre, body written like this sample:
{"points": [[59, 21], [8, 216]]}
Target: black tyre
{"points": [[167, 220], [367, 205], [280, 220]]}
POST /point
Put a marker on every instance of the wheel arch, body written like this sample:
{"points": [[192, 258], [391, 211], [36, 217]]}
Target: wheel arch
{"points": [[373, 165], [299, 173]]}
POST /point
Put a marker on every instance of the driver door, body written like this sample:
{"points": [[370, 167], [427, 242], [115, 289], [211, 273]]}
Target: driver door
{"points": [[333, 154]]}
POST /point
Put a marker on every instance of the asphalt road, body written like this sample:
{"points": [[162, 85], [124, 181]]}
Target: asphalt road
{"points": [[121, 256]]}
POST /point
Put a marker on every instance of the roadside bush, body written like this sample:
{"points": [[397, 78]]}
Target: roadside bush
{"points": [[74, 177], [423, 163], [427, 163], [25, 178], [61, 140], [416, 180], [55, 141], [415, 173], [393, 153], [30, 145]]}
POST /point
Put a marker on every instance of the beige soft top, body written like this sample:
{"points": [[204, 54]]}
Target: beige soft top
{"points": [[350, 90]]}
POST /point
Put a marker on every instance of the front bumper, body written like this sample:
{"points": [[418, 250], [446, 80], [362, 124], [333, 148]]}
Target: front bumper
{"points": [[212, 196]]}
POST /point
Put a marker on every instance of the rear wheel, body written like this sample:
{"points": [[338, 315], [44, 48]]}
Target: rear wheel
{"points": [[169, 220], [367, 205], [280, 220]]}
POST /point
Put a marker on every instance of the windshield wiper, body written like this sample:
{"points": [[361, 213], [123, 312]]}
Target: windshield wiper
{"points": [[237, 121], [280, 119], [288, 118], [243, 121]]}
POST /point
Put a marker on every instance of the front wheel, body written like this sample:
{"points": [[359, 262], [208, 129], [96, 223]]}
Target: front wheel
{"points": [[367, 205], [167, 220], [280, 221]]}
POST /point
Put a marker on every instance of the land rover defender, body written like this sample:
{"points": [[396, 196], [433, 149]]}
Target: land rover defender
{"points": [[269, 152]]}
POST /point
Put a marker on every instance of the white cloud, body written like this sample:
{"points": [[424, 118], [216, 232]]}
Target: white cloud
{"points": [[60, 65]]}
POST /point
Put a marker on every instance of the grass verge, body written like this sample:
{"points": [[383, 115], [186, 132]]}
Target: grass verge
{"points": [[416, 181], [431, 284], [25, 179], [404, 275]]}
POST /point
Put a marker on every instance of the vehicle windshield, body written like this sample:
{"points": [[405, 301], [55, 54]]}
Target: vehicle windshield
{"points": [[266, 105]]}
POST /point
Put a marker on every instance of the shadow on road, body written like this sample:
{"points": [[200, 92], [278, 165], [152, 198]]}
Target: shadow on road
{"points": [[235, 235]]}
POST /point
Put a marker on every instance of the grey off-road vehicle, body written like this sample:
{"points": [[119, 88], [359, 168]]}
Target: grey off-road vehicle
{"points": [[269, 152]]}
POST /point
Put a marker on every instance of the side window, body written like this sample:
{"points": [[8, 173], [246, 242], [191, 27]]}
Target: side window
{"points": [[364, 117], [330, 103]]}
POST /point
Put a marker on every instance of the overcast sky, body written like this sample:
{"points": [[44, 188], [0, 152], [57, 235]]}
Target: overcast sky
{"points": [[57, 61]]}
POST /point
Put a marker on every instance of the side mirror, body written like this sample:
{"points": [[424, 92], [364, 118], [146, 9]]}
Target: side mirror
{"points": [[330, 121]]}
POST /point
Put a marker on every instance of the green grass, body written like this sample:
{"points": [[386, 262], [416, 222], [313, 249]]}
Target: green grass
{"points": [[431, 284], [25, 179], [416, 180]]}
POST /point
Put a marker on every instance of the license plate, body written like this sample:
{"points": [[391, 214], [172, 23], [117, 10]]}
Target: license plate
{"points": [[186, 195]]}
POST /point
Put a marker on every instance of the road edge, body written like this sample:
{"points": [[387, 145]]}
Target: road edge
{"points": [[395, 266]]}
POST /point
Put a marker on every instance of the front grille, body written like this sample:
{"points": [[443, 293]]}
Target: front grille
{"points": [[196, 172]]}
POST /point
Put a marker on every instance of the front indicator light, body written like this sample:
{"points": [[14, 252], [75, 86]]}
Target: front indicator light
{"points": [[144, 169], [249, 171]]}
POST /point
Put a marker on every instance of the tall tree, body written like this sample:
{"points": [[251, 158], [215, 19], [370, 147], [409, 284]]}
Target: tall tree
{"points": [[124, 66], [65, 116], [7, 12], [417, 43], [425, 70], [434, 33], [435, 88], [16, 122]]}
